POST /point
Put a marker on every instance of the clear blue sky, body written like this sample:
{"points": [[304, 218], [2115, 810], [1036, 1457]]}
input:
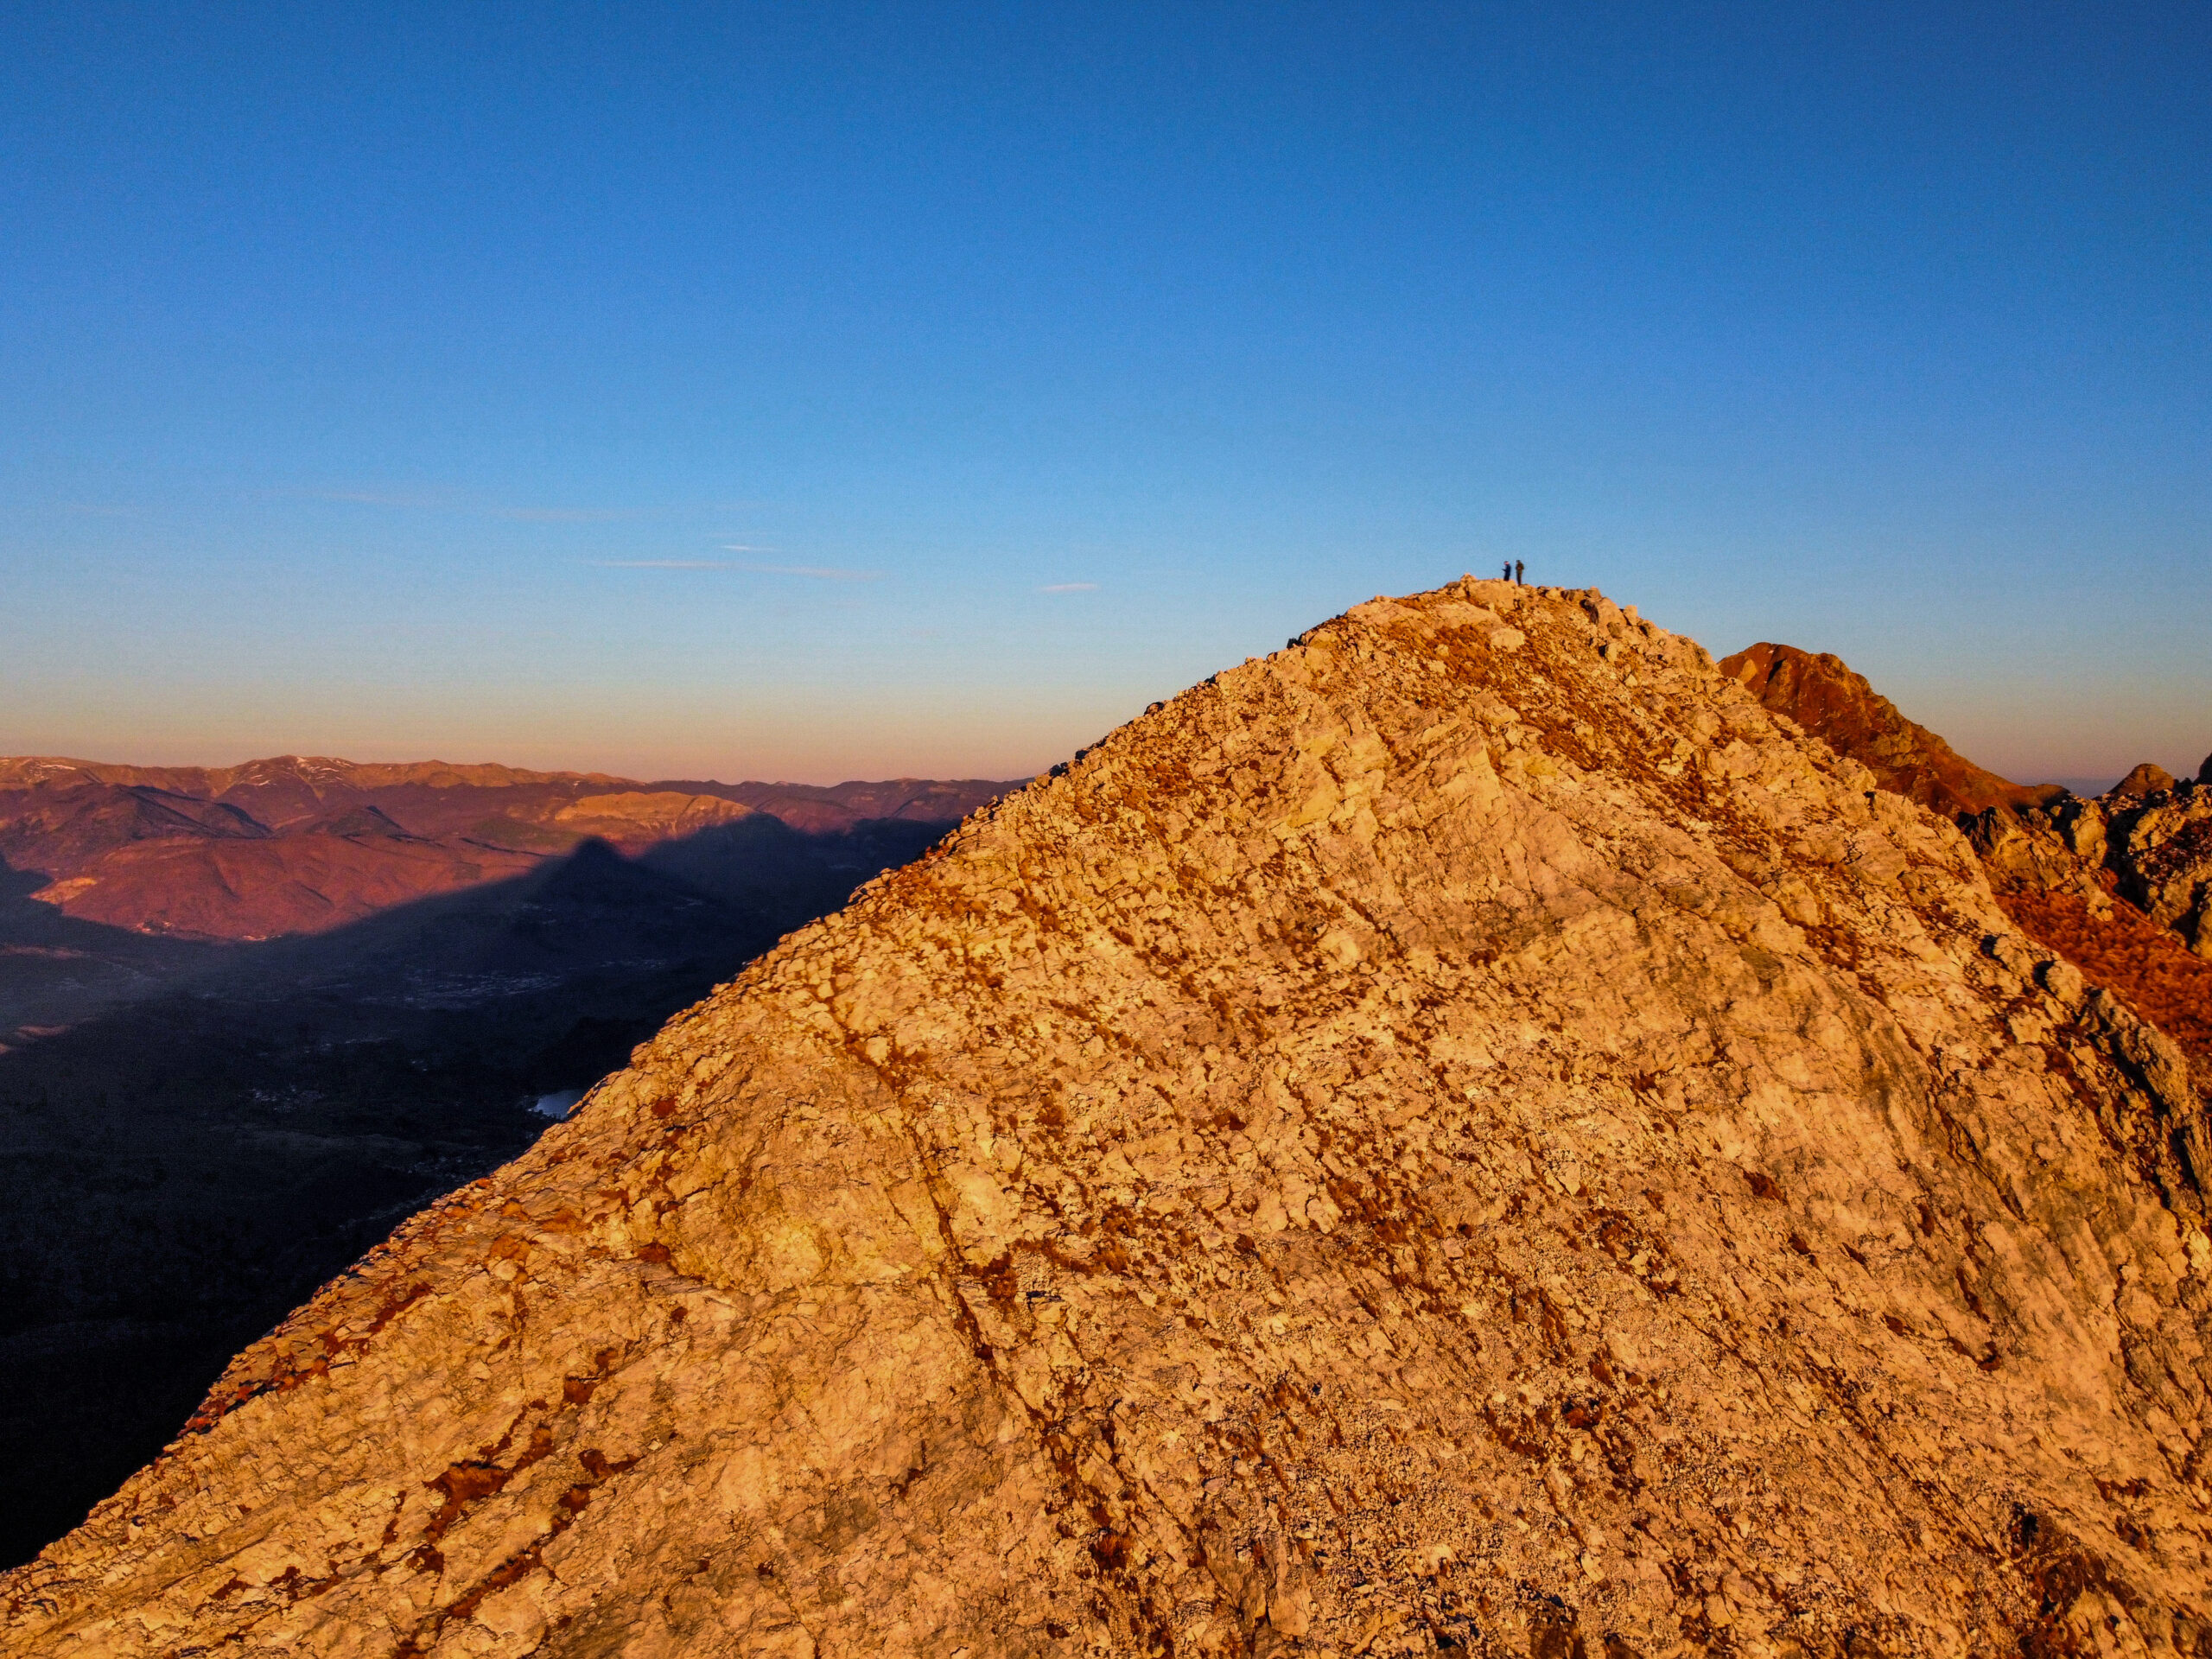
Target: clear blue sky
{"points": [[826, 391]]}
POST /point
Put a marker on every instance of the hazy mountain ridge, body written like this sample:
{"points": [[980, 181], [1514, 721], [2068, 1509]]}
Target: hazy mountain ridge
{"points": [[295, 844], [1468, 1134], [295, 773]]}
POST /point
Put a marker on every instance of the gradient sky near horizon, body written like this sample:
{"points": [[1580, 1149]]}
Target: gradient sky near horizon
{"points": [[833, 391]]}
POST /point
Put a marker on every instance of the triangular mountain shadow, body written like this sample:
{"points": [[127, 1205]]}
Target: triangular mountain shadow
{"points": [[220, 1127]]}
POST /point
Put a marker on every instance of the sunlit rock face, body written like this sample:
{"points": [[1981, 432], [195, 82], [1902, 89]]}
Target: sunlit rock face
{"points": [[1469, 1133]]}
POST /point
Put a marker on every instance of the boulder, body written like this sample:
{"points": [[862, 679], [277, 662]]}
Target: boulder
{"points": [[2146, 778]]}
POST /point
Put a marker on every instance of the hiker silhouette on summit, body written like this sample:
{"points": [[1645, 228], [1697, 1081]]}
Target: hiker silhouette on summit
{"points": [[1518, 567], [1508, 570]]}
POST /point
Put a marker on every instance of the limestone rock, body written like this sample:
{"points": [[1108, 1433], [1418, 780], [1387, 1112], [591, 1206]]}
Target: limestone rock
{"points": [[2162, 850], [2043, 853], [2155, 851], [2148, 830], [1468, 1134]]}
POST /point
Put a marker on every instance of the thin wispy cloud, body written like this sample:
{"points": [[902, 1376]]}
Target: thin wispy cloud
{"points": [[1068, 588], [813, 572], [380, 499], [451, 501], [816, 572]]}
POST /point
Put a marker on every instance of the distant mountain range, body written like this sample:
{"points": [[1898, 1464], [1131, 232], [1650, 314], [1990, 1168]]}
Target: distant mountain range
{"points": [[300, 844]]}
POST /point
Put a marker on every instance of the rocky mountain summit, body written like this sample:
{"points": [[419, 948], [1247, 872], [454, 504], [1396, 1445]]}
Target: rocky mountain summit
{"points": [[1468, 1134]]}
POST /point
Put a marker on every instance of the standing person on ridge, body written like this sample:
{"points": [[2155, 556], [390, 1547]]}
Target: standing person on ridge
{"points": [[1508, 570], [1518, 567]]}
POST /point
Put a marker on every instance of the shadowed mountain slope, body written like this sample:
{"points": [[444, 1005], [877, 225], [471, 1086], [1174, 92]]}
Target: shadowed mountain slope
{"points": [[1465, 1134]]}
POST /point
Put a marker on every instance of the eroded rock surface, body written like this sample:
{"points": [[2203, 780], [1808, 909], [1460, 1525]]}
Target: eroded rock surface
{"points": [[2148, 838], [1466, 1135], [2154, 850], [2163, 852], [2145, 778]]}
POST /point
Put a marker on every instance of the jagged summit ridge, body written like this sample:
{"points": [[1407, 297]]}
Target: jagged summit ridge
{"points": [[1467, 1132]]}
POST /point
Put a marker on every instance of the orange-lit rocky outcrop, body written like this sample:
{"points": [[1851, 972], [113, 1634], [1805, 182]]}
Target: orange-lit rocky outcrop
{"points": [[1469, 1133]]}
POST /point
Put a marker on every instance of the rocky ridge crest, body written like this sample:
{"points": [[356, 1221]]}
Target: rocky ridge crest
{"points": [[1469, 1133], [1825, 696], [2120, 883]]}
